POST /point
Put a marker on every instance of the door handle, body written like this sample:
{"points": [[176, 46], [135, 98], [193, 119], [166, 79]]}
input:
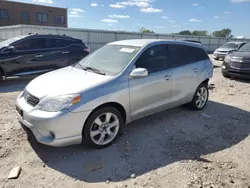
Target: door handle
{"points": [[66, 52], [167, 77], [195, 70], [39, 55]]}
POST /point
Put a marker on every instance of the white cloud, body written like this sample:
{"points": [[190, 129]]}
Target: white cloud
{"points": [[194, 20], [76, 13], [75, 16], [118, 16], [227, 12], [164, 17], [77, 10], [216, 17], [117, 6], [94, 4], [151, 10], [195, 4], [44, 1], [240, 1], [160, 27], [171, 21], [141, 4], [109, 21]]}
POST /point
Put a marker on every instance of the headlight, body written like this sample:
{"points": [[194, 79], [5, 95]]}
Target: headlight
{"points": [[227, 58], [61, 102]]}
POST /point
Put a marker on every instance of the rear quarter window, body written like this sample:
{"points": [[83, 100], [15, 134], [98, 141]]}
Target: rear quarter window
{"points": [[183, 54]]}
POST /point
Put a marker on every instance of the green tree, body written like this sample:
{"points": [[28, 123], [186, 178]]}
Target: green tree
{"points": [[186, 32], [144, 30], [224, 33]]}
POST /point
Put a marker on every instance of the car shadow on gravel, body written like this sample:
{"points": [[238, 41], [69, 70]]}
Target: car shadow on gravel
{"points": [[152, 143], [14, 84]]}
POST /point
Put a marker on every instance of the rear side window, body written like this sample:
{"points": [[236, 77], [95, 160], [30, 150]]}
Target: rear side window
{"points": [[183, 54], [57, 43], [153, 59], [30, 44]]}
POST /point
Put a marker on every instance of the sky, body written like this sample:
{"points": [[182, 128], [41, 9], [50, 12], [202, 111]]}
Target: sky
{"points": [[161, 16]]}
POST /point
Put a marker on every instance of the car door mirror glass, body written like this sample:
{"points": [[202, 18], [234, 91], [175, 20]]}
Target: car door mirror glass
{"points": [[139, 72]]}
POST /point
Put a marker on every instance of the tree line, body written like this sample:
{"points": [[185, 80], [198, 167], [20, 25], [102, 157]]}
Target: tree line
{"points": [[224, 33]]}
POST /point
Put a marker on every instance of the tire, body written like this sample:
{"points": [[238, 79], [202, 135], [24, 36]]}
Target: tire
{"points": [[1, 76], [203, 91], [225, 75], [98, 132]]}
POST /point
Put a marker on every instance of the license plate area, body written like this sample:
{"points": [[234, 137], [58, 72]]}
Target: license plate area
{"points": [[19, 111]]}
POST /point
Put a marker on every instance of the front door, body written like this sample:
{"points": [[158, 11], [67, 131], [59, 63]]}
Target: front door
{"points": [[153, 92]]}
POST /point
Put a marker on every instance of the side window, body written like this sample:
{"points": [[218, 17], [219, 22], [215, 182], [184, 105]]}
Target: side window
{"points": [[56, 43], [183, 54], [30, 44], [153, 59]]}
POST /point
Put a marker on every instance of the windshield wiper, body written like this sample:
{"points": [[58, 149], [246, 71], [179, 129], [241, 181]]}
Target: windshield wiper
{"points": [[93, 69]]}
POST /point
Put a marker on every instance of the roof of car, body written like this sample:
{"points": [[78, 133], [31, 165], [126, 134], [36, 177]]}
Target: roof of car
{"points": [[51, 35], [144, 42]]}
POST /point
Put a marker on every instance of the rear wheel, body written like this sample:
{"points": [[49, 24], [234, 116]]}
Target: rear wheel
{"points": [[200, 97], [103, 127]]}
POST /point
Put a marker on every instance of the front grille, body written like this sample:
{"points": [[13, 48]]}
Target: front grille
{"points": [[223, 52], [30, 99], [239, 65]]}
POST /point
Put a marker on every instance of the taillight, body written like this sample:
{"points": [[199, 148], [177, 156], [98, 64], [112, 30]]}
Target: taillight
{"points": [[86, 49]]}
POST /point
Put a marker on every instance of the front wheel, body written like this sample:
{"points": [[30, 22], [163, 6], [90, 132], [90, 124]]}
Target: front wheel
{"points": [[200, 98], [102, 127]]}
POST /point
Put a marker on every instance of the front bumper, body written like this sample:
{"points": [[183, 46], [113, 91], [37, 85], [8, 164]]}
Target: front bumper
{"points": [[238, 73], [218, 55], [52, 128]]}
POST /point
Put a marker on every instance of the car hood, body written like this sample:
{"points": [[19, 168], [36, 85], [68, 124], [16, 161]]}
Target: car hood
{"points": [[225, 49], [67, 80], [243, 55]]}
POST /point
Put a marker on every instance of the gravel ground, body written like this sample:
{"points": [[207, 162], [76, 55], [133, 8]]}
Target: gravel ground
{"points": [[174, 148]]}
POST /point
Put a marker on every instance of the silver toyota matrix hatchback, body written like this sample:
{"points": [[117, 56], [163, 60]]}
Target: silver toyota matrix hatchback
{"points": [[92, 100]]}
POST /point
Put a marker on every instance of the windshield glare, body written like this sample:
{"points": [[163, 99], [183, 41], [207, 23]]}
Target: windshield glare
{"points": [[9, 41], [230, 45], [110, 59], [245, 48]]}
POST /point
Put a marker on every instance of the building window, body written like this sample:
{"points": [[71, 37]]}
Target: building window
{"points": [[59, 20], [4, 14], [25, 16], [41, 17]]}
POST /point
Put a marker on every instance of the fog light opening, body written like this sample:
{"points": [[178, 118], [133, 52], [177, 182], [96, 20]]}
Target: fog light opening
{"points": [[223, 67], [52, 135]]}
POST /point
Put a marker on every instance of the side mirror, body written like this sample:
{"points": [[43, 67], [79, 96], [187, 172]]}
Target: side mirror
{"points": [[10, 49], [139, 72]]}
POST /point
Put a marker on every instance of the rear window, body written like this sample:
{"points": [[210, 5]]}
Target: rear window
{"points": [[183, 54]]}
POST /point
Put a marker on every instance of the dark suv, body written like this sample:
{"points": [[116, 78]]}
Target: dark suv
{"points": [[237, 63], [33, 54]]}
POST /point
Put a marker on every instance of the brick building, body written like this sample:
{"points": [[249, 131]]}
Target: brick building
{"points": [[15, 13]]}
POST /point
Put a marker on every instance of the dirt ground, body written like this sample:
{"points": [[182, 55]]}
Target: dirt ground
{"points": [[174, 148]]}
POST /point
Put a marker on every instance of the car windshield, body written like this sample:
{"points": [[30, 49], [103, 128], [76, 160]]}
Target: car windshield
{"points": [[110, 59], [9, 41], [245, 48], [230, 45]]}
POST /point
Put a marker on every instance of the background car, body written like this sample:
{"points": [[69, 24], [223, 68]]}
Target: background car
{"points": [[237, 63], [92, 100], [222, 51], [32, 54]]}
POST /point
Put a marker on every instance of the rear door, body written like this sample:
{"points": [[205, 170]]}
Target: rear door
{"points": [[186, 67]]}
